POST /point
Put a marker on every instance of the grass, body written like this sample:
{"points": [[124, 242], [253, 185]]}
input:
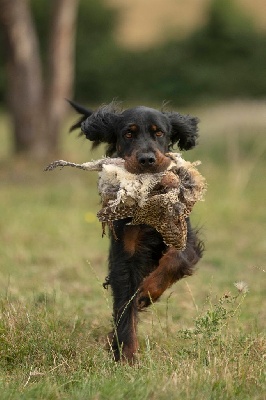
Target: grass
{"points": [[205, 339]]}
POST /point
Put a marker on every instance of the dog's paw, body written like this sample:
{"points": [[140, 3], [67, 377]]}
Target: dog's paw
{"points": [[143, 302], [149, 292]]}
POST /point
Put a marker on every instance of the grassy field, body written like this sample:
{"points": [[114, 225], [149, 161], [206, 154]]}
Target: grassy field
{"points": [[205, 339]]}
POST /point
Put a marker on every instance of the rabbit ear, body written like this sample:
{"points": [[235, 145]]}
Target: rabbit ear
{"points": [[101, 126], [184, 130]]}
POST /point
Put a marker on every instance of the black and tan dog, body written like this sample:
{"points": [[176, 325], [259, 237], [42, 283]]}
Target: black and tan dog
{"points": [[141, 266]]}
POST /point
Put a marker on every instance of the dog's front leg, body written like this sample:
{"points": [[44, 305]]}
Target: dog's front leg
{"points": [[123, 338], [173, 266], [160, 279]]}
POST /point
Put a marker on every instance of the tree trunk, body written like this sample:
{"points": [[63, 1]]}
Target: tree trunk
{"points": [[38, 108], [24, 75], [60, 66]]}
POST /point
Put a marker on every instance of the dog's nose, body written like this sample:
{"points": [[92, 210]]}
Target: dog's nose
{"points": [[146, 159]]}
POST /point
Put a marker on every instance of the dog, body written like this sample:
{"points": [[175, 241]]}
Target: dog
{"points": [[141, 266]]}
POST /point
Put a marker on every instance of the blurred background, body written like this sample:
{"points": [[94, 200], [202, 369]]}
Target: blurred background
{"points": [[204, 57], [189, 53]]}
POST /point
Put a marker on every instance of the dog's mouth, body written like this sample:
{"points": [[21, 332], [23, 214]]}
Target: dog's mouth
{"points": [[159, 163]]}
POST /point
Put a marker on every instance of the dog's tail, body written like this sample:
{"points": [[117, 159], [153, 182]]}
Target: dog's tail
{"points": [[85, 113]]}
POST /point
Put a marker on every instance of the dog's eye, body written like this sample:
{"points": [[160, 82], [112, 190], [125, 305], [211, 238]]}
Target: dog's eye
{"points": [[159, 133]]}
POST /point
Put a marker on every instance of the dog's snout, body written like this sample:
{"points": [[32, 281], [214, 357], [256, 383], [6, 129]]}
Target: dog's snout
{"points": [[146, 159]]}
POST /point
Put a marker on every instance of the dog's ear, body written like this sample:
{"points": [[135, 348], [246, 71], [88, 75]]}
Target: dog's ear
{"points": [[84, 112], [100, 127], [184, 130]]}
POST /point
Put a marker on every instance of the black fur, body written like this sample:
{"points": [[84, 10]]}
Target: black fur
{"points": [[141, 266], [80, 110]]}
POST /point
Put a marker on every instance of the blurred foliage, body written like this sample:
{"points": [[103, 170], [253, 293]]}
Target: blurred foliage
{"points": [[225, 58]]}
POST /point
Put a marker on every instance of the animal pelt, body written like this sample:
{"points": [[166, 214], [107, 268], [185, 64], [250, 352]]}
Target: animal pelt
{"points": [[162, 200]]}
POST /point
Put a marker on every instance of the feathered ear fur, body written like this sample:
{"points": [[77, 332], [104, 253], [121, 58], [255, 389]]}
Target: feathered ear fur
{"points": [[101, 125], [184, 130], [84, 112]]}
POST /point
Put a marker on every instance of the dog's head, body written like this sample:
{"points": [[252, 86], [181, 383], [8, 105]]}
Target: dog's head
{"points": [[140, 135]]}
